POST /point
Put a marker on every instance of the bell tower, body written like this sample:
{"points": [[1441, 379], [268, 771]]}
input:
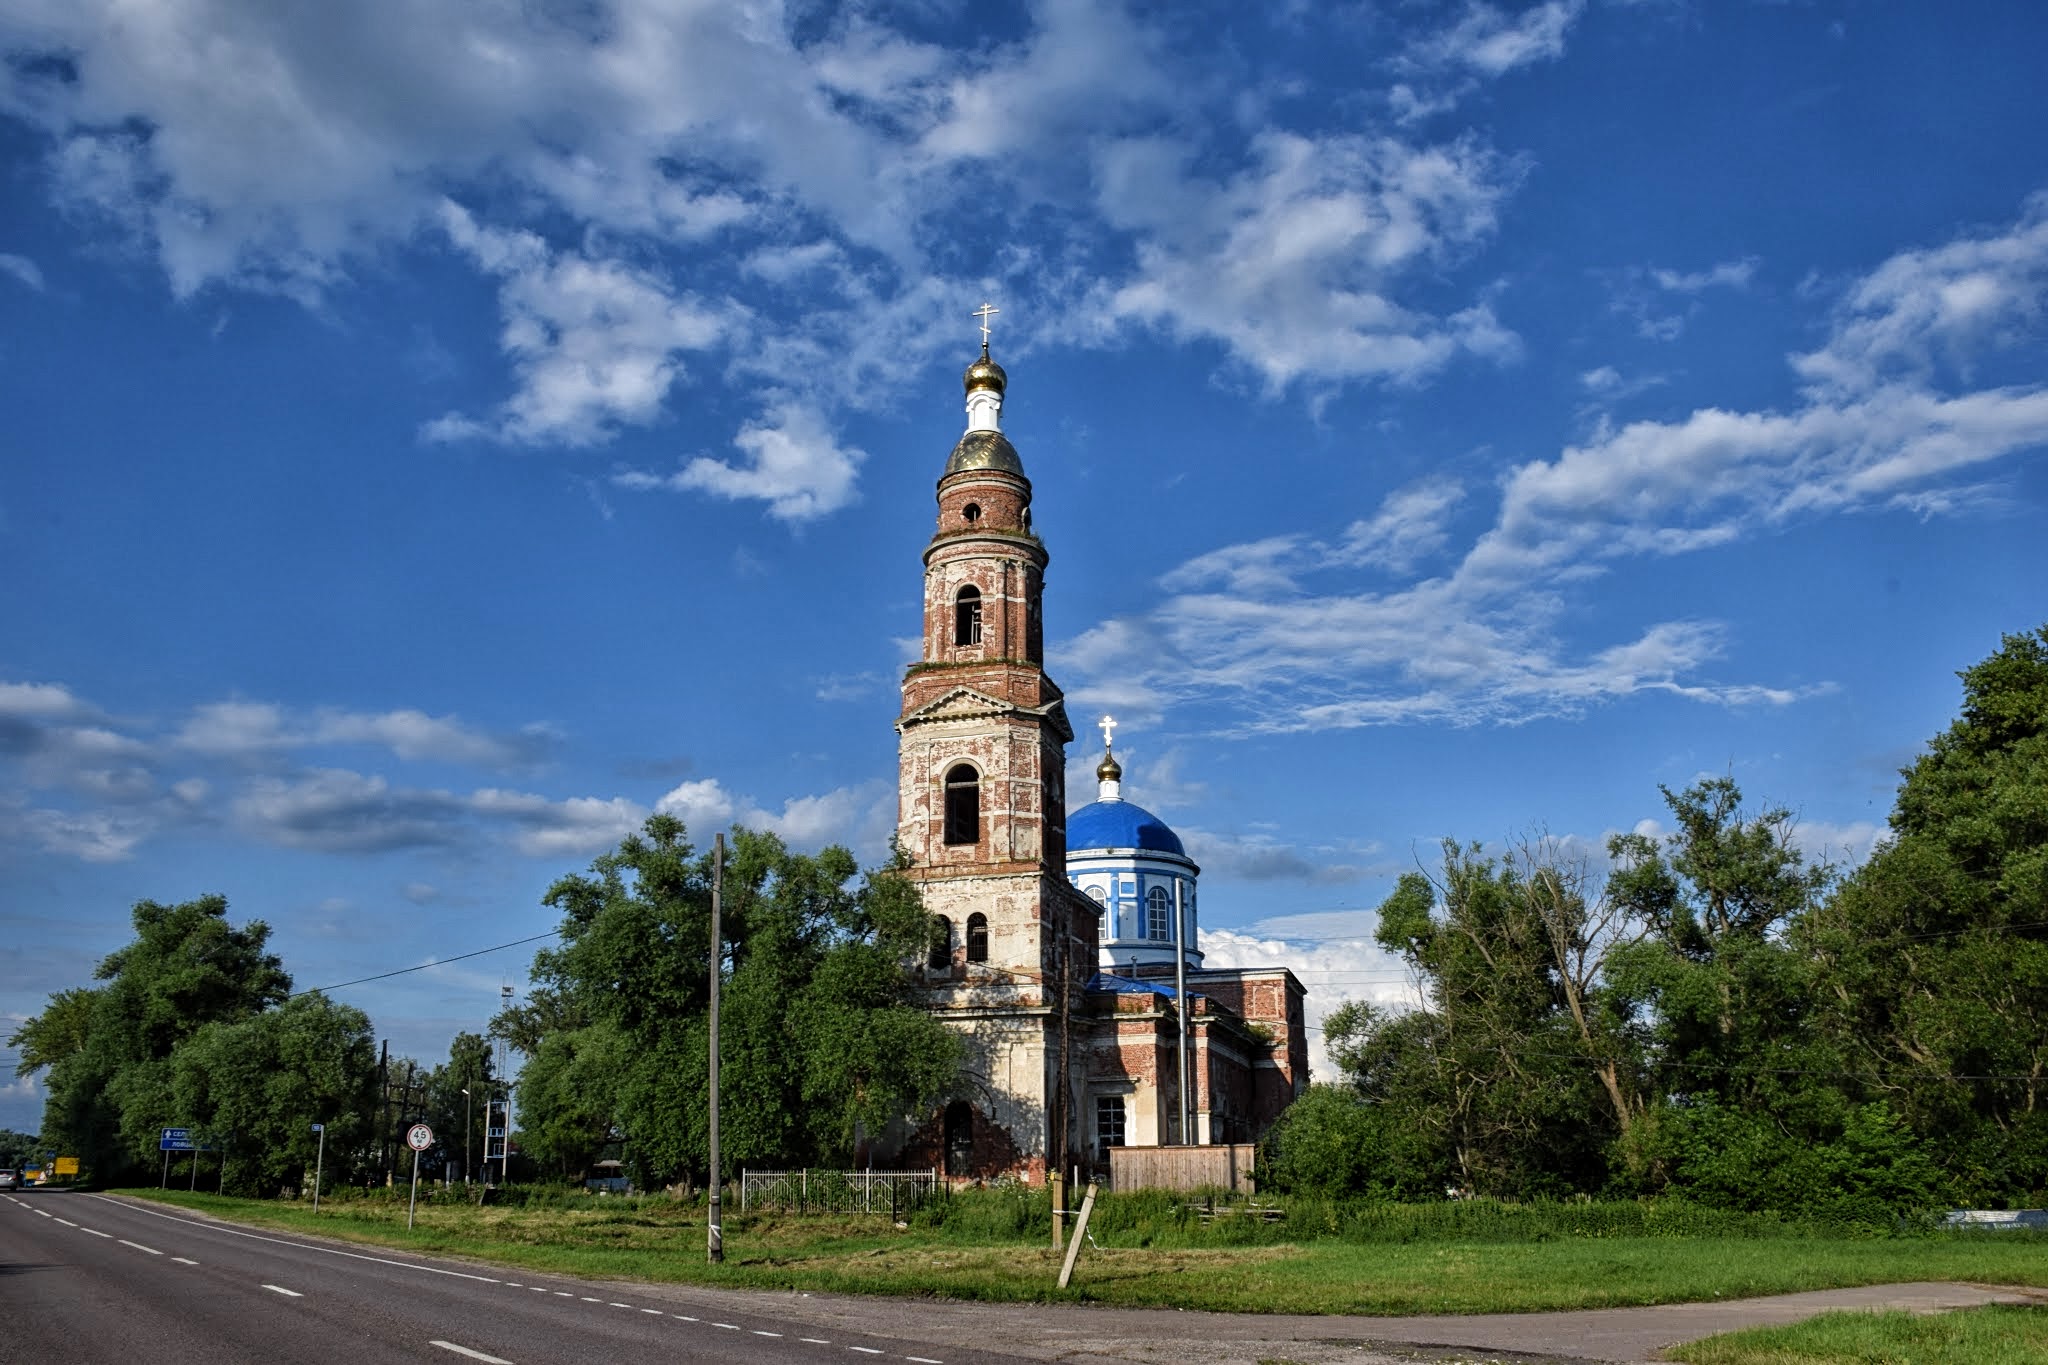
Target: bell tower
{"points": [[981, 806]]}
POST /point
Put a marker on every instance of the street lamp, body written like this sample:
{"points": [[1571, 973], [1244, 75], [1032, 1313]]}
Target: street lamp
{"points": [[465, 1137]]}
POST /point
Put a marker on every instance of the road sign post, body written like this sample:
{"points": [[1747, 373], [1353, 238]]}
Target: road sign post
{"points": [[419, 1137], [319, 1161]]}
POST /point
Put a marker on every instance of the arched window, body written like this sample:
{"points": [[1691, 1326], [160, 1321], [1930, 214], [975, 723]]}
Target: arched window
{"points": [[977, 937], [941, 954], [1101, 912], [963, 804], [1158, 914], [967, 616]]}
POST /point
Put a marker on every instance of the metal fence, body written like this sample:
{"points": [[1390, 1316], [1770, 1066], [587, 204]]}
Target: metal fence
{"points": [[892, 1192]]}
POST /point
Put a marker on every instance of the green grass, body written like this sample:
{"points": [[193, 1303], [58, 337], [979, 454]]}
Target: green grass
{"points": [[1995, 1335], [1155, 1253]]}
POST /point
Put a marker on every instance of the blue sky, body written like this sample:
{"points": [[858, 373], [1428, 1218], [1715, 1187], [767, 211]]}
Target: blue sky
{"points": [[437, 434]]}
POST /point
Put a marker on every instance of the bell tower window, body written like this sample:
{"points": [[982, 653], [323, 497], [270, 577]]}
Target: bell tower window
{"points": [[963, 804], [1156, 910], [939, 955], [977, 937], [967, 616]]}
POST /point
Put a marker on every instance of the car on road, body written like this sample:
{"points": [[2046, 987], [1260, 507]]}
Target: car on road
{"points": [[10, 1179]]}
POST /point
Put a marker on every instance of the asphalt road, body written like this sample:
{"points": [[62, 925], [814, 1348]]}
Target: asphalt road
{"points": [[89, 1279]]}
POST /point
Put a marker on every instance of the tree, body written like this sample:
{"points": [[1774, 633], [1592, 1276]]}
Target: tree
{"points": [[449, 1112], [818, 1035], [257, 1085], [1330, 1142], [1932, 962], [18, 1149], [108, 1048], [1501, 1071]]}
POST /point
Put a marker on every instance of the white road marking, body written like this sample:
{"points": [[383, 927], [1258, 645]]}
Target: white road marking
{"points": [[67, 1222], [280, 1289], [510, 1285], [183, 1261], [622, 1305], [865, 1350], [473, 1355], [563, 1294], [140, 1247], [925, 1360], [728, 1326], [655, 1311], [814, 1341], [588, 1299], [539, 1288], [41, 1214], [286, 1241], [681, 1318], [97, 1233], [759, 1333]]}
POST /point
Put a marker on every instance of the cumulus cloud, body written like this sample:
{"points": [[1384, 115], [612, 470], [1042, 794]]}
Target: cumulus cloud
{"points": [[793, 463], [595, 343], [1335, 967], [860, 817], [1292, 263], [577, 827], [246, 731]]}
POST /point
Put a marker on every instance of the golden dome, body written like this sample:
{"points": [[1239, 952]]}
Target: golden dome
{"points": [[986, 374], [1109, 770], [984, 450]]}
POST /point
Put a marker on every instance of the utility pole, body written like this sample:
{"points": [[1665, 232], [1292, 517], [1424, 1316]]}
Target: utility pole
{"points": [[504, 1059], [465, 1137], [384, 1097], [716, 1228]]}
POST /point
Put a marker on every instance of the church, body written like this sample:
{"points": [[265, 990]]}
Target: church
{"points": [[1066, 952]]}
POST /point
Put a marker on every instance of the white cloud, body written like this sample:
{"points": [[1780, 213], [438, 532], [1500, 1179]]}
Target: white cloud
{"points": [[595, 343], [90, 836], [1725, 275], [793, 463], [23, 269], [1490, 41], [860, 817], [1273, 627], [335, 810], [1334, 967], [261, 731], [1291, 263], [578, 827]]}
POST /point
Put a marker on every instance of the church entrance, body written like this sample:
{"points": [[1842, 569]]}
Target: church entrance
{"points": [[959, 1138]]}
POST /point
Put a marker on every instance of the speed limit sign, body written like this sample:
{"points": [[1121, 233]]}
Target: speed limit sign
{"points": [[419, 1137]]}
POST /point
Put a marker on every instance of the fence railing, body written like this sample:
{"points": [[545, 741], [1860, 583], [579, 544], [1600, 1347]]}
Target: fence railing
{"points": [[820, 1191]]}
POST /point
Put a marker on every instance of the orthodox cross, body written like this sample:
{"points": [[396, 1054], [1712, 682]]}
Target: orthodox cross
{"points": [[985, 312], [1108, 725]]}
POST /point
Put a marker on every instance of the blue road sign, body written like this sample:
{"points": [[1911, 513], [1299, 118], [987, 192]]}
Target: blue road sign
{"points": [[179, 1140], [319, 1127]]}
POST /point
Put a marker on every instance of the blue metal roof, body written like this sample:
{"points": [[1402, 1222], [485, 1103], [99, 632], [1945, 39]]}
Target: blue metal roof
{"points": [[1119, 824]]}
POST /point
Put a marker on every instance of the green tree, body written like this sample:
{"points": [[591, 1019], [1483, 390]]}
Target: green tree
{"points": [[449, 1112], [1330, 1142], [1932, 962], [107, 1049], [18, 1149], [257, 1085], [1510, 1073], [818, 1033]]}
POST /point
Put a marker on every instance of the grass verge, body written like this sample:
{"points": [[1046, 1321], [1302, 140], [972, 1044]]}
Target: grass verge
{"points": [[660, 1241], [1995, 1335]]}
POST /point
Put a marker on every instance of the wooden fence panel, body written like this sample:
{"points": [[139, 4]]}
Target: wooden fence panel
{"points": [[1227, 1167]]}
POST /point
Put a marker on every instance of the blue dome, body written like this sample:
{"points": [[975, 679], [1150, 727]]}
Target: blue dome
{"points": [[1119, 824]]}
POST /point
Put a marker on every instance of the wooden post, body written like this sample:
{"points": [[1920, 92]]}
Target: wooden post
{"points": [[1080, 1231], [1057, 1183]]}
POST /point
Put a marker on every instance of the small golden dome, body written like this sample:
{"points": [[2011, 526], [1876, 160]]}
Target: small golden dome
{"points": [[986, 374], [1109, 770]]}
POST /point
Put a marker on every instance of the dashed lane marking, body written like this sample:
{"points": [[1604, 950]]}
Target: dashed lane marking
{"points": [[865, 1350], [924, 1360], [563, 1294], [140, 1247], [759, 1333], [473, 1355], [541, 1289], [655, 1311], [588, 1299], [288, 1242], [67, 1222], [728, 1326], [679, 1317], [184, 1260], [814, 1341], [280, 1289], [622, 1305], [97, 1233]]}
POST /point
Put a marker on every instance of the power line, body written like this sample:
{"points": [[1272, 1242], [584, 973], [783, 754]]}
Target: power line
{"points": [[438, 962]]}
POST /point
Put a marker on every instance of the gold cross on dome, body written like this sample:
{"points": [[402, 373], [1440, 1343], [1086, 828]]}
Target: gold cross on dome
{"points": [[1108, 726], [985, 312]]}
